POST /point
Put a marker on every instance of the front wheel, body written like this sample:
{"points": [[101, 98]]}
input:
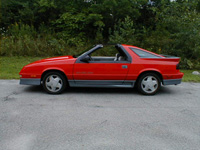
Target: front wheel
{"points": [[149, 84], [54, 83]]}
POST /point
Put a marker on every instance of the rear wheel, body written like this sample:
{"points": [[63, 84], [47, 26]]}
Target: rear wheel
{"points": [[54, 83], [149, 84]]}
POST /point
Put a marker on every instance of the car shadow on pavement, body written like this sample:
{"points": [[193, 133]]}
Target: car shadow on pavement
{"points": [[34, 89], [102, 90], [38, 89]]}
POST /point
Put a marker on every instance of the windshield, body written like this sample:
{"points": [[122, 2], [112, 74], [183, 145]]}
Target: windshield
{"points": [[75, 56]]}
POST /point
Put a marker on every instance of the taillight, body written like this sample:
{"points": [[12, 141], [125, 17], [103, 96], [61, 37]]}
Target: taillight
{"points": [[178, 66]]}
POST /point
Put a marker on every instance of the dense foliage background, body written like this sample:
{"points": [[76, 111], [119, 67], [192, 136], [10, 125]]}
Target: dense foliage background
{"points": [[58, 27]]}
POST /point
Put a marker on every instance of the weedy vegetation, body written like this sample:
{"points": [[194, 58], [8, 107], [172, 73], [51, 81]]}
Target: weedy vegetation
{"points": [[44, 28]]}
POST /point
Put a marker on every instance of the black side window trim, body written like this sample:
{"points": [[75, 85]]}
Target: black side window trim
{"points": [[100, 46], [108, 62]]}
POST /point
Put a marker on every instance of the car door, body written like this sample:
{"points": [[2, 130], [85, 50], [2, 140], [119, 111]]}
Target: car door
{"points": [[92, 68], [100, 72]]}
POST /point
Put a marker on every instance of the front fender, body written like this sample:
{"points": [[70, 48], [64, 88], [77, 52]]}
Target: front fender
{"points": [[53, 68]]}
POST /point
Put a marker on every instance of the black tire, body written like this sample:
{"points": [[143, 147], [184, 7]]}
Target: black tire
{"points": [[54, 83], [149, 84]]}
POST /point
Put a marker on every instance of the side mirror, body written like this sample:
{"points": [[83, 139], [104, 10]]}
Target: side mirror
{"points": [[86, 59]]}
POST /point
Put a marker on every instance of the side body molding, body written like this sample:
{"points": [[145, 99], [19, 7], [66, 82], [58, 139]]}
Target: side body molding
{"points": [[102, 83]]}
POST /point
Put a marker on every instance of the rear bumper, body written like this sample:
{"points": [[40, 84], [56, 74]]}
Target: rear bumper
{"points": [[30, 81], [172, 81]]}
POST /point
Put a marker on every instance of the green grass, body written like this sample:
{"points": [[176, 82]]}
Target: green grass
{"points": [[189, 77], [11, 66]]}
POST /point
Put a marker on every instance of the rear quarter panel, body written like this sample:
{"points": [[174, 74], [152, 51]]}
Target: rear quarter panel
{"points": [[165, 66]]}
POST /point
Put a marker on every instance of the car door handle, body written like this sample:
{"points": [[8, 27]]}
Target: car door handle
{"points": [[124, 66]]}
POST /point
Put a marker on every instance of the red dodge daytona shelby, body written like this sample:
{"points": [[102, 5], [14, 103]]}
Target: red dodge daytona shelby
{"points": [[128, 67]]}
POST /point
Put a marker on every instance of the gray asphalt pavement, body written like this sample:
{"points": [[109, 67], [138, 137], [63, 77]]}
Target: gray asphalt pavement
{"points": [[99, 119]]}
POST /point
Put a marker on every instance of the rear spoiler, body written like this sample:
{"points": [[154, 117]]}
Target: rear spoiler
{"points": [[169, 56], [165, 58]]}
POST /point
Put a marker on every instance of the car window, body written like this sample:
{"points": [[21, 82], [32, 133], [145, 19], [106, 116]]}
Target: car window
{"points": [[144, 54]]}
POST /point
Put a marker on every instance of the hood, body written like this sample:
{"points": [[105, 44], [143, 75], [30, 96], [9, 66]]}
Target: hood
{"points": [[49, 61], [54, 59]]}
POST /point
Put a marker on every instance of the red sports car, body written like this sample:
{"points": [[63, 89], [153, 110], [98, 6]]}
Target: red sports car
{"points": [[128, 67]]}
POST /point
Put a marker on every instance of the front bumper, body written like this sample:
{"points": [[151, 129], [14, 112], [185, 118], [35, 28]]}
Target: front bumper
{"points": [[172, 81], [30, 81]]}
